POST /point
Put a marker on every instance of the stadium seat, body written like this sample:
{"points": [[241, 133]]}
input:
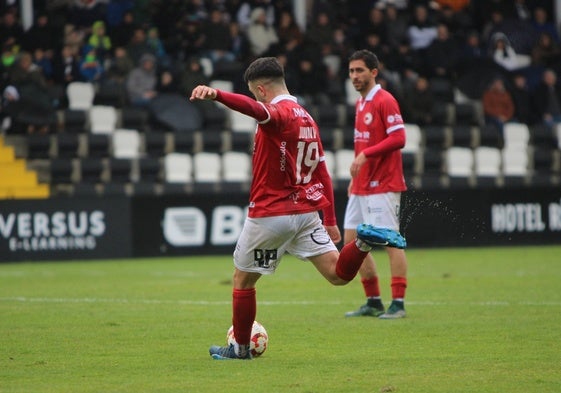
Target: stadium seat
{"points": [[214, 116], [206, 66], [543, 136], [459, 166], [91, 170], [545, 163], [126, 143], [487, 165], [98, 145], [68, 145], [443, 114], [236, 167], [61, 171], [330, 162], [241, 123], [348, 137], [110, 94], [328, 116], [183, 142], [149, 170], [350, 93], [207, 167], [178, 168], [435, 136], [343, 160], [242, 142], [136, 118], [459, 161], [516, 136], [468, 113], [212, 141], [120, 170], [39, 146], [74, 120], [155, 144], [442, 89], [432, 162], [328, 137], [409, 163], [413, 138], [490, 135], [515, 166], [463, 136], [224, 85], [80, 95], [103, 119]]}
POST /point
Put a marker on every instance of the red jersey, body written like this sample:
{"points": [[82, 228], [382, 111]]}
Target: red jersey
{"points": [[376, 116], [287, 152]]}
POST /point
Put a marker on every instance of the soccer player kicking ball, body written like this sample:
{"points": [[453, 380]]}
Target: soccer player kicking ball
{"points": [[290, 186]]}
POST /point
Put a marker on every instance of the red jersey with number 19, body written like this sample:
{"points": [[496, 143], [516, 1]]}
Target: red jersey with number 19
{"points": [[287, 151], [378, 115]]}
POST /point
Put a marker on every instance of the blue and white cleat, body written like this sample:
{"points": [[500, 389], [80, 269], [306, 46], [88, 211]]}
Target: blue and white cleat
{"points": [[374, 236], [227, 353]]}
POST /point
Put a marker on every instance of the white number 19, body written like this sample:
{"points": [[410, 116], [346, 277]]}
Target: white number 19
{"points": [[308, 156]]}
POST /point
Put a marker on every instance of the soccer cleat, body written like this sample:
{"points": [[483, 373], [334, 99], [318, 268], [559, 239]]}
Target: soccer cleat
{"points": [[227, 353], [374, 236], [395, 311], [366, 311]]}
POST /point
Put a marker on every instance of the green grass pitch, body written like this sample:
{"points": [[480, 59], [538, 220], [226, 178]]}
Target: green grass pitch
{"points": [[479, 320]]}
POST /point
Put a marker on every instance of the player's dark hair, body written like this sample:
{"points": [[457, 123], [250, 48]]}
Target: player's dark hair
{"points": [[369, 58], [264, 67]]}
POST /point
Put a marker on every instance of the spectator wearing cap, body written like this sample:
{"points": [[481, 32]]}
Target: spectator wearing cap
{"points": [[99, 39], [91, 66], [504, 54]]}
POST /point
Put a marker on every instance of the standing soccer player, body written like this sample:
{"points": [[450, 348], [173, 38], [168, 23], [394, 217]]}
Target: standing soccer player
{"points": [[290, 186], [377, 181]]}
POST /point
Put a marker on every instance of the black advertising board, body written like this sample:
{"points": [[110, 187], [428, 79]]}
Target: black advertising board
{"points": [[210, 224], [504, 217], [203, 224], [64, 228], [190, 225]]}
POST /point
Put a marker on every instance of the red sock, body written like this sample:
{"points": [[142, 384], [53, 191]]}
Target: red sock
{"points": [[349, 261], [398, 287], [244, 306], [371, 286]]}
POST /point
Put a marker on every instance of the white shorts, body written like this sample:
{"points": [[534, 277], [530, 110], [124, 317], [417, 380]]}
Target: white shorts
{"points": [[381, 210], [264, 241]]}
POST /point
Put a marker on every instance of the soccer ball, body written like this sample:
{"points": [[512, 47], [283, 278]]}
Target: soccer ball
{"points": [[259, 339]]}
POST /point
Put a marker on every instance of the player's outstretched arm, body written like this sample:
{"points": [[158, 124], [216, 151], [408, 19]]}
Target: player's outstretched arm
{"points": [[203, 92], [238, 102]]}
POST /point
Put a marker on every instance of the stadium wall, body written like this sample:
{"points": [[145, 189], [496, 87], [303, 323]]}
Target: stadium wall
{"points": [[198, 224]]}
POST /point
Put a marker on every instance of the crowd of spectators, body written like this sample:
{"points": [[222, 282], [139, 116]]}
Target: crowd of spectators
{"points": [[153, 46]]}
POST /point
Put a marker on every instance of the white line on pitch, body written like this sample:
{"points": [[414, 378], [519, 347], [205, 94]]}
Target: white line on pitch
{"points": [[24, 299]]}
